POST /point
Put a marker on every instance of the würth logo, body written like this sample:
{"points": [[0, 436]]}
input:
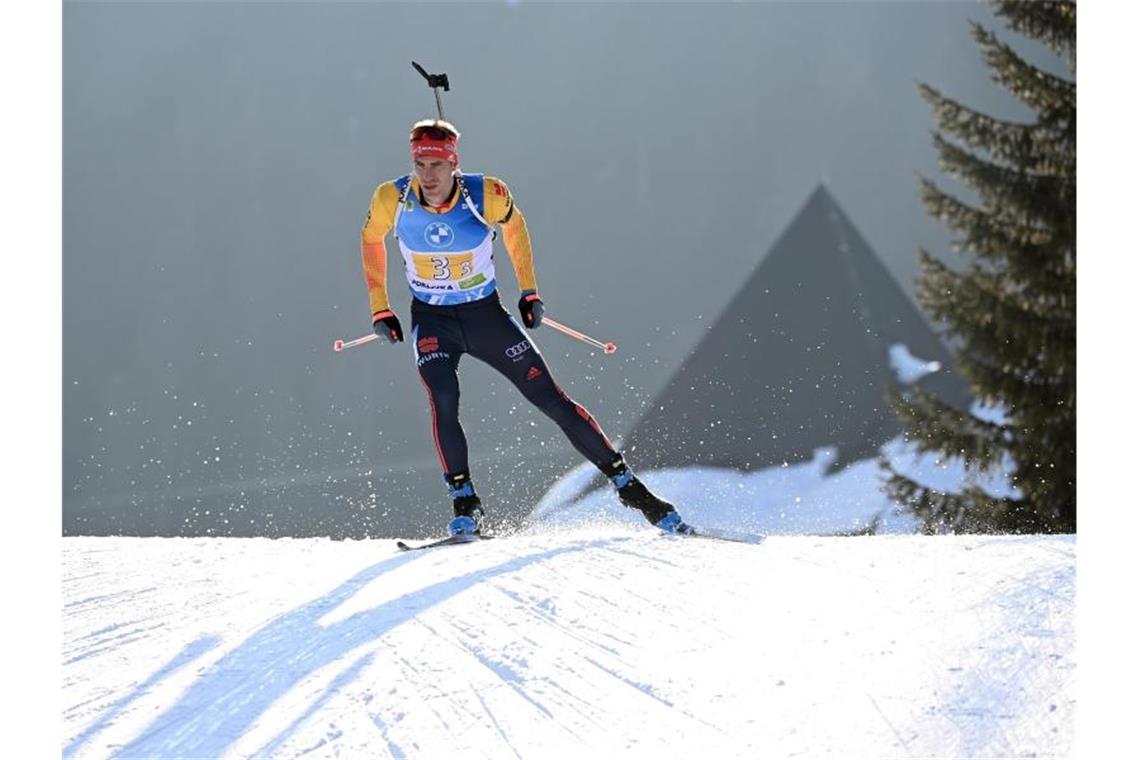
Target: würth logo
{"points": [[533, 373], [427, 345]]}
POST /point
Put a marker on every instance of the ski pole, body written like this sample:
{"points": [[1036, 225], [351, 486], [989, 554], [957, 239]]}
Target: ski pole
{"points": [[607, 348], [340, 345]]}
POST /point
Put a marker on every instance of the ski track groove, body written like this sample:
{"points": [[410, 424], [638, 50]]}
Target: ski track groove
{"points": [[108, 629], [101, 650], [506, 674], [510, 679], [544, 617], [640, 556], [77, 578], [104, 700], [890, 725], [107, 597], [620, 598], [395, 750], [332, 736], [533, 606], [111, 643], [495, 722], [641, 688], [648, 691]]}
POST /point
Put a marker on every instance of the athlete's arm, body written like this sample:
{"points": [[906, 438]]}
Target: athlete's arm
{"points": [[501, 209], [373, 253]]}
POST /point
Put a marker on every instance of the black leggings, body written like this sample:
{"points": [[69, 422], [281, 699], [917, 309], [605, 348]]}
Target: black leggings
{"points": [[442, 334]]}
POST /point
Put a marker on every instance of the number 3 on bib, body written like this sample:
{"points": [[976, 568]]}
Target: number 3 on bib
{"points": [[452, 266]]}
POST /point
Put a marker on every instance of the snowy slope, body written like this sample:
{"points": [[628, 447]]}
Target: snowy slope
{"points": [[618, 642], [795, 499]]}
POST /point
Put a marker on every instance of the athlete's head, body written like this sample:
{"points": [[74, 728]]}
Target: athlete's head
{"points": [[435, 157], [435, 138]]}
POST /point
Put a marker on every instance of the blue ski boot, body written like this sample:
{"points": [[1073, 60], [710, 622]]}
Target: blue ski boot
{"points": [[672, 523], [468, 509], [635, 495]]}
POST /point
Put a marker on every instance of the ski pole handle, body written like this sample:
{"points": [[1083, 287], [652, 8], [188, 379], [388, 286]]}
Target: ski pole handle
{"points": [[607, 348], [339, 345]]}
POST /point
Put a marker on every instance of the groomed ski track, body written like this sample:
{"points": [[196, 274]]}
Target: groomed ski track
{"points": [[616, 643]]}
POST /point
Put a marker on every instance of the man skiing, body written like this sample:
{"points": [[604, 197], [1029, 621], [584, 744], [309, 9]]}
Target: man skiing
{"points": [[443, 221]]}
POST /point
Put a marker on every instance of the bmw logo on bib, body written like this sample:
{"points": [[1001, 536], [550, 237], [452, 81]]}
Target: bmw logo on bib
{"points": [[438, 235]]}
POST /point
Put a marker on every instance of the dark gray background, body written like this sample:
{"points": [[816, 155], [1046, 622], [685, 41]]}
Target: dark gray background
{"points": [[219, 157]]}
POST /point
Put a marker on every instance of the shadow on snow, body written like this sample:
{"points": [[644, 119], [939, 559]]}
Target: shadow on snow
{"points": [[228, 697]]}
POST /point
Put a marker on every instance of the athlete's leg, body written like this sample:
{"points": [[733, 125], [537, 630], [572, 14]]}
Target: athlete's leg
{"points": [[497, 339], [438, 345], [494, 337]]}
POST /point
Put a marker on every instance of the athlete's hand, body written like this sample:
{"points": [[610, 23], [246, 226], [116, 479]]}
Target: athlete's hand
{"points": [[531, 308], [387, 325]]}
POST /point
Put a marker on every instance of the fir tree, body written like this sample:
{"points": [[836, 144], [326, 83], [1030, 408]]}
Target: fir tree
{"points": [[1010, 308]]}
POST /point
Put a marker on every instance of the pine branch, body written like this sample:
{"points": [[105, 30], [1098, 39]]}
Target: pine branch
{"points": [[1052, 23], [964, 218], [977, 298], [1032, 253], [1018, 390], [1005, 348], [971, 511], [1030, 147], [1044, 380], [935, 426], [1036, 88], [1021, 197]]}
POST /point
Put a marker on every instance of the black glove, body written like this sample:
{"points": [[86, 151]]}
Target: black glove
{"points": [[531, 308], [387, 325]]}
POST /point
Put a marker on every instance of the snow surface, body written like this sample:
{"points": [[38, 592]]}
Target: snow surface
{"points": [[610, 640], [794, 499]]}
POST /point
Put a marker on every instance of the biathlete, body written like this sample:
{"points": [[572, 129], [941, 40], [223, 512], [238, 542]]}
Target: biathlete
{"points": [[443, 221]]}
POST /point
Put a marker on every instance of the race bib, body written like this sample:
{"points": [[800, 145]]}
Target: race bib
{"points": [[448, 267]]}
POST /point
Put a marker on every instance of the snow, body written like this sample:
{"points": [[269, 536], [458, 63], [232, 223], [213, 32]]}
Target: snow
{"points": [[608, 639], [908, 368], [793, 499], [995, 413]]}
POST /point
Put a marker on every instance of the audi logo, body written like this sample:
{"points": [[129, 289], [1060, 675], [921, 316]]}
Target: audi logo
{"points": [[518, 349]]}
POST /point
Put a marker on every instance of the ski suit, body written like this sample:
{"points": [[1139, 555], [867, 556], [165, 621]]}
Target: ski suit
{"points": [[450, 269]]}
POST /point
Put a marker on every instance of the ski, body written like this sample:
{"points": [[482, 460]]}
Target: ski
{"points": [[462, 538], [694, 531], [718, 534]]}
